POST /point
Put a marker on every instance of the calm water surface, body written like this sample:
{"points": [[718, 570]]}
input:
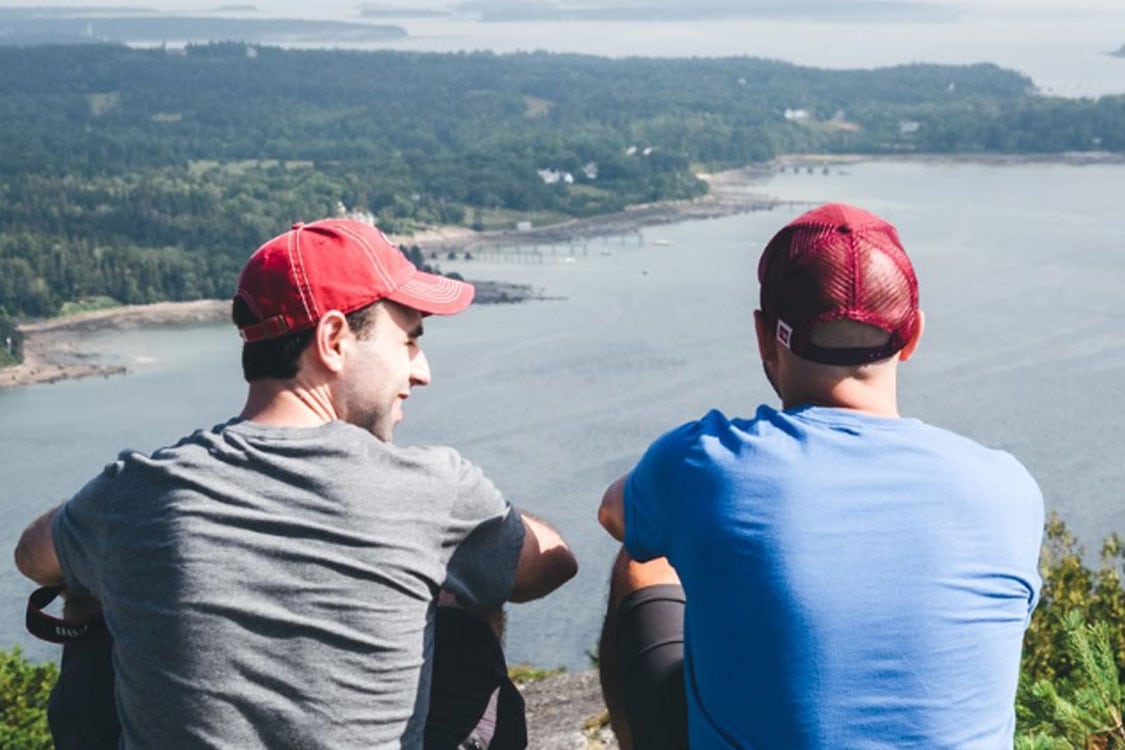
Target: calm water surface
{"points": [[1021, 275]]}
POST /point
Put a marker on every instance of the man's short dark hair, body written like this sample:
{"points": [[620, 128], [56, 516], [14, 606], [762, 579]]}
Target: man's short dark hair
{"points": [[280, 358]]}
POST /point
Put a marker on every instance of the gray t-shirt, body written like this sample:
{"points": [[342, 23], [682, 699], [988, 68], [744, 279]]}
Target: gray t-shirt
{"points": [[274, 587]]}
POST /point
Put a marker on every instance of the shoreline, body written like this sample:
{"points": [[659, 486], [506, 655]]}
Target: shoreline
{"points": [[53, 350]]}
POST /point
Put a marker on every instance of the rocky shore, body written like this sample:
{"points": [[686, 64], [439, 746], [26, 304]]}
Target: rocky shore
{"points": [[53, 348], [566, 712], [730, 192]]}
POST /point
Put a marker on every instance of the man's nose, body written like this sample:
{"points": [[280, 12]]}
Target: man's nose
{"points": [[420, 369]]}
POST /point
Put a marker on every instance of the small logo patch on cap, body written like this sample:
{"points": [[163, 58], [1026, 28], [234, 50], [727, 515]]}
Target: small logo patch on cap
{"points": [[784, 333]]}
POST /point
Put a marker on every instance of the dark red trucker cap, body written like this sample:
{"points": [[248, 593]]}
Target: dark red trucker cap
{"points": [[838, 262]]}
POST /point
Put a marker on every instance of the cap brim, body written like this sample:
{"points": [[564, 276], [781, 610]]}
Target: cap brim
{"points": [[434, 295]]}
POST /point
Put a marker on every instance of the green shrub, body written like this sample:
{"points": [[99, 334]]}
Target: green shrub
{"points": [[24, 689], [1069, 586], [1073, 667], [1083, 710]]}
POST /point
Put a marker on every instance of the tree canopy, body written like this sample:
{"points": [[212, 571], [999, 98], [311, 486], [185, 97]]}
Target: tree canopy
{"points": [[150, 174]]}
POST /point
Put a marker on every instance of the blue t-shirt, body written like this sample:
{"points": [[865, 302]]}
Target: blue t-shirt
{"points": [[851, 581]]}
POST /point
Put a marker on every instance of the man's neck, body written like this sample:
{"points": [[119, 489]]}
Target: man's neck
{"points": [[285, 403], [866, 398]]}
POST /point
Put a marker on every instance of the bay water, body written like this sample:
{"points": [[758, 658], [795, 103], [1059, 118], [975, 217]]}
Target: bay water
{"points": [[1021, 267]]}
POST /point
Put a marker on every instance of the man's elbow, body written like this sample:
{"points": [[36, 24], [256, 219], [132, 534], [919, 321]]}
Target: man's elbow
{"points": [[611, 521], [23, 562], [546, 562], [611, 512], [554, 568], [27, 563], [32, 560]]}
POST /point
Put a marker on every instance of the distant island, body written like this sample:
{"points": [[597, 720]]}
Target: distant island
{"points": [[400, 11], [1120, 52], [31, 26], [677, 10]]}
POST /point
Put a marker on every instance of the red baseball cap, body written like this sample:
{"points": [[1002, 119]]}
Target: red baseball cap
{"points": [[838, 262], [335, 264]]}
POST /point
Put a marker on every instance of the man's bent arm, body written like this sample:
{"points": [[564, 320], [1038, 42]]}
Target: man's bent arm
{"points": [[35, 552], [611, 513], [545, 563]]}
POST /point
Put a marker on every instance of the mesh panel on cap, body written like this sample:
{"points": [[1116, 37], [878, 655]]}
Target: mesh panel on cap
{"points": [[838, 262]]}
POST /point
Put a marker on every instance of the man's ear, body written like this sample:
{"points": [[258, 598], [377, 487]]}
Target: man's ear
{"points": [[331, 340], [912, 344], [767, 342]]}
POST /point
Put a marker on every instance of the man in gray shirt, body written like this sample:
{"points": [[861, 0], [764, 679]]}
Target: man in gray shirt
{"points": [[273, 581]]}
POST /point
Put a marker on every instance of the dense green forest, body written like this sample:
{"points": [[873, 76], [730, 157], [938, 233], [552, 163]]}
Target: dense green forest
{"points": [[144, 175]]}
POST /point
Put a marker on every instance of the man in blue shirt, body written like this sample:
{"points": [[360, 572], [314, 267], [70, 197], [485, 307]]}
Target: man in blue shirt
{"points": [[844, 577]]}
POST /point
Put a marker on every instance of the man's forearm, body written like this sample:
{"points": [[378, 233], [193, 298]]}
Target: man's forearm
{"points": [[35, 552]]}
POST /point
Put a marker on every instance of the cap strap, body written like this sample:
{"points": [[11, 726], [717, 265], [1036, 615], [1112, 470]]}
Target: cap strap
{"points": [[860, 355], [270, 328]]}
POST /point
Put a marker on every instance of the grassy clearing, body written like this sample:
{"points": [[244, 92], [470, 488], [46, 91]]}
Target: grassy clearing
{"points": [[200, 167], [88, 304], [503, 218]]}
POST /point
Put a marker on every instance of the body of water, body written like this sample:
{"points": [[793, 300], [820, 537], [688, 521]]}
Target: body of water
{"points": [[1021, 275]]}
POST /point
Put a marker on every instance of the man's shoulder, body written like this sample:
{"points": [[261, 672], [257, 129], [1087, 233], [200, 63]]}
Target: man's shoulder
{"points": [[713, 439], [716, 426], [441, 459], [714, 422], [968, 448]]}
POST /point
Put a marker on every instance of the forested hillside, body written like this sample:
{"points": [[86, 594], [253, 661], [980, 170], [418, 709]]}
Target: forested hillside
{"points": [[144, 175]]}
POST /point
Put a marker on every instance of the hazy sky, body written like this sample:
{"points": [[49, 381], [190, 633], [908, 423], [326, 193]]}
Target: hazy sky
{"points": [[348, 7]]}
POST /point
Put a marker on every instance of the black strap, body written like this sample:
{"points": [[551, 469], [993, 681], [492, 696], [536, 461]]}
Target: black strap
{"points": [[50, 628]]}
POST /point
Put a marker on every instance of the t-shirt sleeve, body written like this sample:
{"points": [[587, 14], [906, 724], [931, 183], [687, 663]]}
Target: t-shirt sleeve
{"points": [[1035, 542], [650, 492], [482, 570], [78, 534]]}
